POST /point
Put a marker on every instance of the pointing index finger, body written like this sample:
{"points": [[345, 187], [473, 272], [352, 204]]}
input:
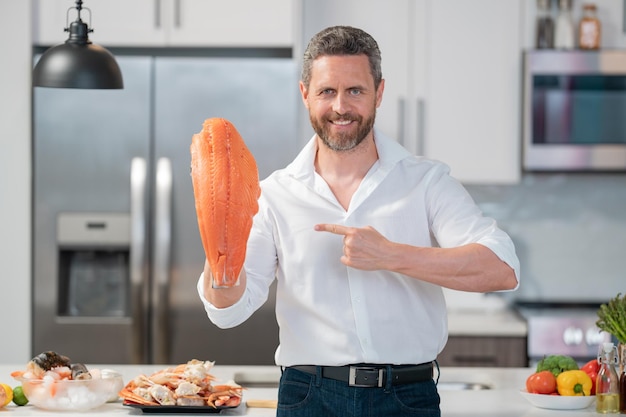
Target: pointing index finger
{"points": [[332, 228]]}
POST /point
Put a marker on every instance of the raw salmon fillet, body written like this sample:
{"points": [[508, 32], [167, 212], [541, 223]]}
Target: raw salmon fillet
{"points": [[226, 189]]}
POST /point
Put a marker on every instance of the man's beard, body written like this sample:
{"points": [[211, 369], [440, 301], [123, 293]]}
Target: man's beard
{"points": [[344, 141]]}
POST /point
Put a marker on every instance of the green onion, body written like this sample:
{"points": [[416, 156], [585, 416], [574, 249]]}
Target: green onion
{"points": [[612, 317]]}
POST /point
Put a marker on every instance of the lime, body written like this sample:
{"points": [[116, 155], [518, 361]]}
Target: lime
{"points": [[19, 398], [6, 394]]}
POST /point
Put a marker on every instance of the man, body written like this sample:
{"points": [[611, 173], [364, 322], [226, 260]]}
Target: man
{"points": [[361, 236]]}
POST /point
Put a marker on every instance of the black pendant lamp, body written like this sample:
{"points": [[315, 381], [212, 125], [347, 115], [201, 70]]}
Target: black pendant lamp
{"points": [[78, 63]]}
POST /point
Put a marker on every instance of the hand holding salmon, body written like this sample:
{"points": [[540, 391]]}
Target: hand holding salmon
{"points": [[226, 189]]}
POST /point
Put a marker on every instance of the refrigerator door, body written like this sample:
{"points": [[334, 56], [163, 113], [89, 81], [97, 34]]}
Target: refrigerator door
{"points": [[260, 97], [84, 141], [117, 252]]}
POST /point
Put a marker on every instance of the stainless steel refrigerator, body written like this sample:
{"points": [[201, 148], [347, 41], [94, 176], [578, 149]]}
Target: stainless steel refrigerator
{"points": [[116, 247]]}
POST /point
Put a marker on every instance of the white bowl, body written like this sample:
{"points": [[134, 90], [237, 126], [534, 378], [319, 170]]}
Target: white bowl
{"points": [[558, 402], [118, 384], [69, 395]]}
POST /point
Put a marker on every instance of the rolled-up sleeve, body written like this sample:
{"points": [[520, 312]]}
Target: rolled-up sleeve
{"points": [[223, 318], [456, 220]]}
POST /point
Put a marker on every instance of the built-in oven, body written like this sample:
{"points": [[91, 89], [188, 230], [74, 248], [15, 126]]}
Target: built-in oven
{"points": [[562, 328], [574, 107]]}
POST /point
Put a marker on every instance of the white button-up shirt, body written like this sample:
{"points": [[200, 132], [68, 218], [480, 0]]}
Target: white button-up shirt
{"points": [[331, 314]]}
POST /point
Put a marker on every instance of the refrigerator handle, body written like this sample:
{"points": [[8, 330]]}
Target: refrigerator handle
{"points": [[401, 121], [138, 277], [177, 12], [421, 129], [161, 260], [157, 14]]}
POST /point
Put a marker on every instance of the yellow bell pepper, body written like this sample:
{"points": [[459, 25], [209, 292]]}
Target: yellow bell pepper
{"points": [[574, 383]]}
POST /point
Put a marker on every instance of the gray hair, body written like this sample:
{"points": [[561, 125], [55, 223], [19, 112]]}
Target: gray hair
{"points": [[342, 40]]}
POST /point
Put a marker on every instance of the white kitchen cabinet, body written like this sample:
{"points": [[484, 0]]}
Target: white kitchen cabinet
{"points": [[157, 23], [452, 71], [473, 88]]}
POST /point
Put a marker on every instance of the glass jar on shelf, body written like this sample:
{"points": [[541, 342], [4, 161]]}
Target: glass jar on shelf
{"points": [[544, 30], [564, 36], [589, 28]]}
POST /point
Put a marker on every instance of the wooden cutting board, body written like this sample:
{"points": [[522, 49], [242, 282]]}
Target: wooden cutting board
{"points": [[262, 403]]}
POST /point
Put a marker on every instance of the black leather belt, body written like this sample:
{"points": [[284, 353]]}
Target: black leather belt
{"points": [[372, 375]]}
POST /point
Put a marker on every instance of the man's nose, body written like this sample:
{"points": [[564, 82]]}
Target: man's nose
{"points": [[340, 103]]}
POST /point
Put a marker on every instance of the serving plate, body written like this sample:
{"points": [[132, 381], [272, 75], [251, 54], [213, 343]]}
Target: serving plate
{"points": [[558, 402], [180, 409]]}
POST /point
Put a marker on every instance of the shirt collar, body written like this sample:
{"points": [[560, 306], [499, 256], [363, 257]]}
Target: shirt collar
{"points": [[389, 151]]}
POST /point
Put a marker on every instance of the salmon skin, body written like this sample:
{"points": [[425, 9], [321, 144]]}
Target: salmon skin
{"points": [[226, 189]]}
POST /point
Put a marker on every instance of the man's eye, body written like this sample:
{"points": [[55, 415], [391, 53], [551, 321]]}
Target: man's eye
{"points": [[355, 92]]}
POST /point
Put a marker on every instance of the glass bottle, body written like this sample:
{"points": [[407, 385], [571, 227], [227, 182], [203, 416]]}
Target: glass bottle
{"points": [[622, 377], [589, 28], [545, 26], [607, 382], [564, 37]]}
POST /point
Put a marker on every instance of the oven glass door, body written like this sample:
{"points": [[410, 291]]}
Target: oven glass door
{"points": [[573, 111], [579, 109]]}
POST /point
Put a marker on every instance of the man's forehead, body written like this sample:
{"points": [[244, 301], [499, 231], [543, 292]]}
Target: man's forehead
{"points": [[332, 66]]}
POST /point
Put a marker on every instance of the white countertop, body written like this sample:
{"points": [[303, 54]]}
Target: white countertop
{"points": [[497, 322], [503, 400]]}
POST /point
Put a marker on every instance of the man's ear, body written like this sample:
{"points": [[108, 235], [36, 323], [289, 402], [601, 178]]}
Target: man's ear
{"points": [[304, 92], [379, 93]]}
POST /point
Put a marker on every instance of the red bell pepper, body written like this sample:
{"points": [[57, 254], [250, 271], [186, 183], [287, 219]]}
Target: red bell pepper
{"points": [[591, 368]]}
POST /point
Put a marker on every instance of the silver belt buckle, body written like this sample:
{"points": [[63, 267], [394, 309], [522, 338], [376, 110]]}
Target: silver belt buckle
{"points": [[355, 369]]}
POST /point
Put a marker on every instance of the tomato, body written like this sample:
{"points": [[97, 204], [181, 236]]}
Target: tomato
{"points": [[543, 382], [591, 368]]}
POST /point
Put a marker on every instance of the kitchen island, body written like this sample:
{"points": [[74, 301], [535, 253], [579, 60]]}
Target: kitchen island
{"points": [[502, 399]]}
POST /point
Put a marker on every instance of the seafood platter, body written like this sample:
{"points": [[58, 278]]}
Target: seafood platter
{"points": [[188, 388], [52, 382]]}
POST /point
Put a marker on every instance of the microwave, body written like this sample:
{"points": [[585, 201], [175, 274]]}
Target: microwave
{"points": [[574, 110]]}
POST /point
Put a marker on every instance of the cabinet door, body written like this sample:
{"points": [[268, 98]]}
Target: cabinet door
{"points": [[473, 88], [232, 23], [388, 22], [151, 23], [115, 22]]}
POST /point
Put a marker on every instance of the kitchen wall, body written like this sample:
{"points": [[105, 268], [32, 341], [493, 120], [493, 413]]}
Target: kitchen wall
{"points": [[569, 231], [15, 100]]}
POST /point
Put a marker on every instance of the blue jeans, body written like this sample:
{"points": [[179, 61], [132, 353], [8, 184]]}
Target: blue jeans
{"points": [[305, 395]]}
